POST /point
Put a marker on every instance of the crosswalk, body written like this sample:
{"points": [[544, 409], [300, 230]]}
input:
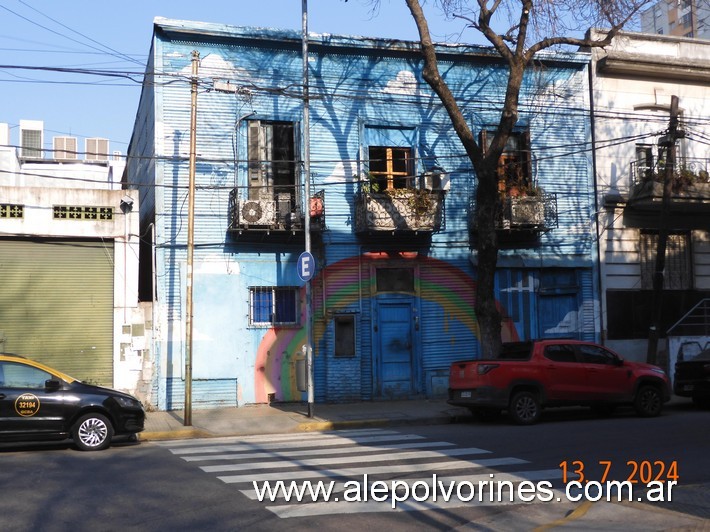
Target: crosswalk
{"points": [[364, 471]]}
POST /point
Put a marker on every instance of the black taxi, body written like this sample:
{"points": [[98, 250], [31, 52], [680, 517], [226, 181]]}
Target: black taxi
{"points": [[40, 403]]}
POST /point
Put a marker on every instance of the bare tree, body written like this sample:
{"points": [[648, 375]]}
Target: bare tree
{"points": [[516, 29]]}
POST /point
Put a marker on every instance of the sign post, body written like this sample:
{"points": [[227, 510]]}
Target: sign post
{"points": [[306, 269]]}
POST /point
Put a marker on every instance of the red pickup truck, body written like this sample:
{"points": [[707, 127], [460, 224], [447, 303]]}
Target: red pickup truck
{"points": [[529, 376]]}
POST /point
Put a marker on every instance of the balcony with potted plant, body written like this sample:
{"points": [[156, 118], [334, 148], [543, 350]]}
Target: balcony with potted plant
{"points": [[405, 209], [689, 197]]}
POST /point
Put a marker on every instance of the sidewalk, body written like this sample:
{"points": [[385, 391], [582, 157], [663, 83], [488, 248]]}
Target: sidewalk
{"points": [[291, 417]]}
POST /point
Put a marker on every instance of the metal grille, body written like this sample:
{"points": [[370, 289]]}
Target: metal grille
{"points": [[273, 305], [8, 210], [677, 274], [69, 212]]}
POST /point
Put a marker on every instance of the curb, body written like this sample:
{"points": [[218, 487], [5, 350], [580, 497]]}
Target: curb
{"points": [[305, 426], [180, 434]]}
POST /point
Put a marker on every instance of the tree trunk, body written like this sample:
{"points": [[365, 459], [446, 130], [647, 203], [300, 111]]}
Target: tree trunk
{"points": [[487, 212]]}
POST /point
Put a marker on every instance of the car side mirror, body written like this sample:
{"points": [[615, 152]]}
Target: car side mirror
{"points": [[52, 385], [619, 362]]}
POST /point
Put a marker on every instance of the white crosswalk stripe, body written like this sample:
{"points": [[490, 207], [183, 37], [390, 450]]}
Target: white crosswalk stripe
{"points": [[336, 461]]}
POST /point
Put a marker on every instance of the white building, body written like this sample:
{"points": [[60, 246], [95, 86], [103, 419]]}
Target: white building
{"points": [[634, 80], [69, 243]]}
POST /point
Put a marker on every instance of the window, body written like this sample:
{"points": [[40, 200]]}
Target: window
{"points": [[271, 305], [592, 354], [22, 376], [678, 272], [391, 156], [272, 154], [395, 280], [644, 161], [514, 165], [344, 335], [560, 353], [391, 167]]}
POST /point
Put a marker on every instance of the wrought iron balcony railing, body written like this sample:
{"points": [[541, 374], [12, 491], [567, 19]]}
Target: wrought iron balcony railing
{"points": [[281, 210], [690, 179], [400, 210]]}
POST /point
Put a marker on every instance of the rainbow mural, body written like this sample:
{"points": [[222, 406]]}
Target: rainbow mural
{"points": [[449, 287]]}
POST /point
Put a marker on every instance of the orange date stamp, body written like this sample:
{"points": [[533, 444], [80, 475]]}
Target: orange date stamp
{"points": [[636, 471]]}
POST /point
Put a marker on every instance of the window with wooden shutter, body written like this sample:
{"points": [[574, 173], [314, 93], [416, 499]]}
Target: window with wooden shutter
{"points": [[515, 163], [272, 158]]}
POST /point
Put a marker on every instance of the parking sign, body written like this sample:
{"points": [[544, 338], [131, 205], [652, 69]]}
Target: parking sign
{"points": [[306, 266]]}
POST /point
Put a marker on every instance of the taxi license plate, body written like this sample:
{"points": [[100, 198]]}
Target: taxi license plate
{"points": [[466, 395]]}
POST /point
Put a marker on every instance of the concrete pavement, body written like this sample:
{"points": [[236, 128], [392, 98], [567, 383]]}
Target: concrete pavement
{"points": [[291, 417]]}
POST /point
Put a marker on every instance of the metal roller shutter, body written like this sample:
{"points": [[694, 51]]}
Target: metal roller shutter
{"points": [[56, 304]]}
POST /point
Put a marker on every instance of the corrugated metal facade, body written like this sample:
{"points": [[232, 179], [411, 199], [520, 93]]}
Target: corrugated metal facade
{"points": [[361, 90], [56, 304]]}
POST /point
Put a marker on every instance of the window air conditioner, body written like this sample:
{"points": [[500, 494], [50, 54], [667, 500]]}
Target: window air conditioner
{"points": [[257, 212]]}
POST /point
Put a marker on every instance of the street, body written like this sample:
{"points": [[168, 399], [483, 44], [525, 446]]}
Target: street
{"points": [[207, 484]]}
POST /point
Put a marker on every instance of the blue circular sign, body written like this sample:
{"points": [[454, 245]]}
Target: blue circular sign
{"points": [[306, 266]]}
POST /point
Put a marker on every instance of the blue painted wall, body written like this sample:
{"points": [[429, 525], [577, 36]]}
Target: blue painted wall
{"points": [[363, 92]]}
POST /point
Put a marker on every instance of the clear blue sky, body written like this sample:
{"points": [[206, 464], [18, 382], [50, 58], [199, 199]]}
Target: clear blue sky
{"points": [[115, 36]]}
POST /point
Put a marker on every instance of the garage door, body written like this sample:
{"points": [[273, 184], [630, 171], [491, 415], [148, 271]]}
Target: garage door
{"points": [[56, 304]]}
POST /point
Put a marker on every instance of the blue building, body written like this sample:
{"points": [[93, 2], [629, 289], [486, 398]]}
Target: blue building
{"points": [[390, 212]]}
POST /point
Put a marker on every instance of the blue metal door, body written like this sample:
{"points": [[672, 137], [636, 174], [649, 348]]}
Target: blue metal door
{"points": [[558, 304], [395, 349]]}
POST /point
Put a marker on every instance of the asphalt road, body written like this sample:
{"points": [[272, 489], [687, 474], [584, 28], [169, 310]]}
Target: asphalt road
{"points": [[207, 484]]}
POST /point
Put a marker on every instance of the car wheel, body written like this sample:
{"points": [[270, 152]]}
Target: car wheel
{"points": [[525, 408], [486, 415], [649, 402], [92, 432]]}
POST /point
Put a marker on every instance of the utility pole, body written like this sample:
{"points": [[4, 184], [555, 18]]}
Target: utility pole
{"points": [[190, 239], [307, 202], [669, 141]]}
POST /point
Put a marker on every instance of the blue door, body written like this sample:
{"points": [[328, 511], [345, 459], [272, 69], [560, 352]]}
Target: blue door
{"points": [[395, 350], [558, 304]]}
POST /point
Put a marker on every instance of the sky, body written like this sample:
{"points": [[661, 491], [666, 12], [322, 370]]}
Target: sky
{"points": [[116, 36]]}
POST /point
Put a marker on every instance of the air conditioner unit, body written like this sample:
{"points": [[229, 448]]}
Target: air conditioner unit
{"points": [[96, 149], [64, 148], [527, 212], [257, 212], [31, 138], [435, 179]]}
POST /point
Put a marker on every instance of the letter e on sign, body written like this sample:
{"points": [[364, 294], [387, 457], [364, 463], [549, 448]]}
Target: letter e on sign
{"points": [[306, 266]]}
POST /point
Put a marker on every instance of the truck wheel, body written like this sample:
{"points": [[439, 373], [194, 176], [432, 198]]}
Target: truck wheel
{"points": [[92, 432], [524, 408], [485, 415], [648, 402]]}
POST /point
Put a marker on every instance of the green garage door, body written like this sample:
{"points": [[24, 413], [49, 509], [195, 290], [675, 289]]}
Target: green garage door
{"points": [[56, 304]]}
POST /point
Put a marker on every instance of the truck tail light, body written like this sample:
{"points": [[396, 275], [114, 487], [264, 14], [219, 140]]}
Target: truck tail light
{"points": [[482, 369]]}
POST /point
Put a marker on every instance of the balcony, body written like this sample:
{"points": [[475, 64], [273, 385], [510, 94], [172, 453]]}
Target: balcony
{"points": [[690, 194], [523, 217], [402, 210], [277, 214], [529, 213]]}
